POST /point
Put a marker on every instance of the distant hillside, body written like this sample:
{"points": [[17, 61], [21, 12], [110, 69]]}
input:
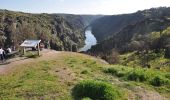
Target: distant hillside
{"points": [[109, 25], [80, 20], [63, 32], [151, 33], [143, 30]]}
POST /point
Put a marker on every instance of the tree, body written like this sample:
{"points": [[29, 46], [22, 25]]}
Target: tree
{"points": [[112, 57], [167, 51]]}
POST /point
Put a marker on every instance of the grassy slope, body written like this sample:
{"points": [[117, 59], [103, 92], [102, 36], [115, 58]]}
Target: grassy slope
{"points": [[47, 79], [158, 65], [54, 78], [155, 60]]}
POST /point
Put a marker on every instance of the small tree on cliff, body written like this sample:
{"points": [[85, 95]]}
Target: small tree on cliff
{"points": [[112, 57]]}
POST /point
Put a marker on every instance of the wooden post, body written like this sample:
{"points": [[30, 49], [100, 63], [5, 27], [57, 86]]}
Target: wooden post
{"points": [[71, 48], [38, 49], [24, 50]]}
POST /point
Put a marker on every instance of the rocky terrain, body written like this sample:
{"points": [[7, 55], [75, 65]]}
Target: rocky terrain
{"points": [[63, 32], [107, 26], [143, 30]]}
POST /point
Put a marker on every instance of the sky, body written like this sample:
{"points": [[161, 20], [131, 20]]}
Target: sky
{"points": [[106, 7]]}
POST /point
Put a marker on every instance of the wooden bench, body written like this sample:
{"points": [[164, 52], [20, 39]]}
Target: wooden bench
{"points": [[12, 54]]}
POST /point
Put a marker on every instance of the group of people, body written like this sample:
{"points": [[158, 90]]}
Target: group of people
{"points": [[3, 53]]}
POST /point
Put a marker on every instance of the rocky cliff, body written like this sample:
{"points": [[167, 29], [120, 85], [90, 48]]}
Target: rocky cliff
{"points": [[63, 33]]}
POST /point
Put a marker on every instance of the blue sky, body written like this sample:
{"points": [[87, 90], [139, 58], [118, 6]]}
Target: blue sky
{"points": [[108, 7]]}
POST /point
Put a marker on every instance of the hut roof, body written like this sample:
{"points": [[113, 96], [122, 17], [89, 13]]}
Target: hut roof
{"points": [[30, 43]]}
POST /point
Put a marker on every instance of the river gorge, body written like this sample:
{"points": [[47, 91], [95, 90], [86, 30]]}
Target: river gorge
{"points": [[89, 41]]}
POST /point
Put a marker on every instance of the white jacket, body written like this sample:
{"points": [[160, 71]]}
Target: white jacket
{"points": [[1, 51]]}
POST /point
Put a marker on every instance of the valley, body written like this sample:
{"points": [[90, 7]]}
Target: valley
{"points": [[62, 31], [90, 57]]}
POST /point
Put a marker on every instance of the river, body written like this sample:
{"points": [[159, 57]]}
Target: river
{"points": [[89, 41]]}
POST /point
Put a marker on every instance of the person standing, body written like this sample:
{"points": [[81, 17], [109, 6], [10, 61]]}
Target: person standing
{"points": [[9, 50], [2, 54]]}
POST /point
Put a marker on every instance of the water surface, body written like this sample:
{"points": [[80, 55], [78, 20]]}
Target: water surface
{"points": [[89, 41]]}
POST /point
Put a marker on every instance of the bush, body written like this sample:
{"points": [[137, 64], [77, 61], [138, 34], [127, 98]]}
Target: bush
{"points": [[95, 90], [111, 70], [167, 75], [84, 72], [116, 72], [137, 75], [158, 81], [152, 77]]}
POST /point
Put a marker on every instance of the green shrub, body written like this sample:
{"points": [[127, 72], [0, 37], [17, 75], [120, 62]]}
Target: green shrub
{"points": [[167, 75], [137, 75], [111, 71], [96, 90], [158, 81], [84, 72], [149, 76], [121, 74], [118, 71]]}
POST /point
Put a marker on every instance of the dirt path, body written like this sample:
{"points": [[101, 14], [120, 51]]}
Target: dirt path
{"points": [[11, 63], [46, 55]]}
